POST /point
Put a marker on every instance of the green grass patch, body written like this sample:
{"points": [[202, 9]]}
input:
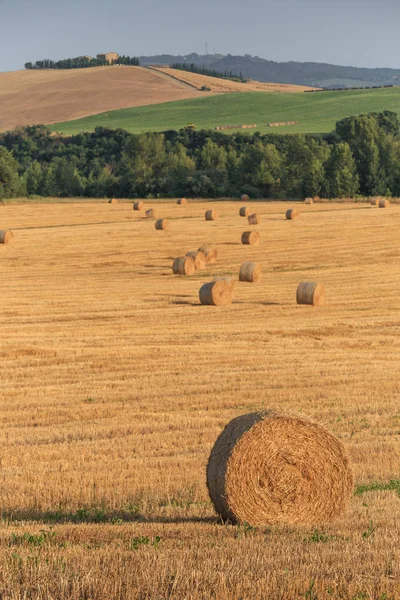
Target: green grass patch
{"points": [[392, 486], [314, 112]]}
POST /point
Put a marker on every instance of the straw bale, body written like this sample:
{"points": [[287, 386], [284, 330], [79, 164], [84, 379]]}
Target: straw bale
{"points": [[253, 219], [113, 201], [210, 253], [216, 293], [309, 201], [184, 265], [273, 469], [252, 238], [229, 280], [245, 198], [211, 215], [292, 214], [182, 201], [150, 213], [162, 224], [138, 205], [384, 203], [310, 292], [244, 211], [199, 259], [250, 271], [6, 236]]}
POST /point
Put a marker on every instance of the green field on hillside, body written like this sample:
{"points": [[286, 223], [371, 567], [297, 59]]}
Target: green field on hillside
{"points": [[314, 112]]}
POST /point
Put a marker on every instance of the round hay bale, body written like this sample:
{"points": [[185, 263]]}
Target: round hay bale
{"points": [[272, 469], [244, 211], [252, 238], [384, 203], [292, 214], [182, 201], [211, 215], [6, 236], [245, 198], [113, 201], [253, 219], [309, 292], [250, 271], [138, 205], [199, 259], [162, 225], [211, 254], [150, 213], [308, 201], [184, 265], [216, 293]]}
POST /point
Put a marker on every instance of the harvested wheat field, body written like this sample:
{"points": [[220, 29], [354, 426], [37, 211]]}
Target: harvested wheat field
{"points": [[50, 96], [116, 382], [220, 85]]}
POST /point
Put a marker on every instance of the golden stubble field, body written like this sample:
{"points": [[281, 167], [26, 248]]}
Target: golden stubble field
{"points": [[115, 383]]}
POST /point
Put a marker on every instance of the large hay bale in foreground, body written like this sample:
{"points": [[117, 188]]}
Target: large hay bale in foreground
{"points": [[272, 469], [250, 271], [199, 259], [211, 215], [182, 201], [244, 211], [216, 293], [384, 203], [113, 201], [310, 292], [184, 265], [292, 214], [162, 225], [138, 205], [252, 238], [210, 253], [6, 236], [253, 219], [229, 280], [308, 201], [150, 213]]}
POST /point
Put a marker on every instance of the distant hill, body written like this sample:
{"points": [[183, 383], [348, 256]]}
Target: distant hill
{"points": [[308, 73]]}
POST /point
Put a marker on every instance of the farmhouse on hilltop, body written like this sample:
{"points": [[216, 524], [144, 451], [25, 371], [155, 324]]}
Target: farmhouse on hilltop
{"points": [[110, 57]]}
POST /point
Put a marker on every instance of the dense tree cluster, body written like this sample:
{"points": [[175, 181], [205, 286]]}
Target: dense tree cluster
{"points": [[361, 157], [192, 68], [81, 62]]}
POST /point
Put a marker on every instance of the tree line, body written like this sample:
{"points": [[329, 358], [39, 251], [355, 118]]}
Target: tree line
{"points": [[192, 68], [82, 62], [361, 157]]}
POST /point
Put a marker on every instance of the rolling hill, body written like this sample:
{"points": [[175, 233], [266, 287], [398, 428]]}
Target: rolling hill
{"points": [[313, 112], [308, 73]]}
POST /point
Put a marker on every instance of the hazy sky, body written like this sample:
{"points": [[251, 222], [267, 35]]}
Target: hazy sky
{"points": [[348, 32]]}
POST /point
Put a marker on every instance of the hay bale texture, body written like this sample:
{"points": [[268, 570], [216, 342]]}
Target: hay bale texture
{"points": [[6, 236], [162, 225], [384, 203], [253, 219], [199, 259], [244, 211], [310, 292], [245, 198], [308, 201], [271, 469], [150, 213], [210, 253], [216, 293], [211, 215], [292, 214], [252, 238], [113, 201], [229, 280], [250, 272], [138, 205], [182, 201], [184, 265]]}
